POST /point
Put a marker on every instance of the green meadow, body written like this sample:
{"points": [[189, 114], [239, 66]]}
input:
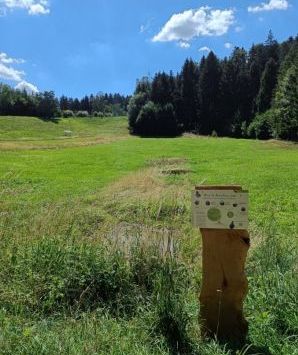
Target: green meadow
{"points": [[86, 212]]}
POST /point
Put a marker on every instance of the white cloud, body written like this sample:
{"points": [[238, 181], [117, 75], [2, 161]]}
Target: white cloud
{"points": [[193, 23], [34, 7], [183, 44], [205, 49], [269, 6], [228, 45], [28, 87], [4, 58], [9, 73], [38, 9]]}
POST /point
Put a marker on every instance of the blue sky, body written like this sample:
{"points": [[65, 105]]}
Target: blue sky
{"points": [[80, 47]]}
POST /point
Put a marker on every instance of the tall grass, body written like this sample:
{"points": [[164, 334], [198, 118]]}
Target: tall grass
{"points": [[50, 278], [74, 285], [273, 293]]}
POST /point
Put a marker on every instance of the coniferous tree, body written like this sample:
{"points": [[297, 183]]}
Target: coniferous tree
{"points": [[85, 104], [64, 103], [267, 85], [242, 92], [178, 102], [272, 48], [189, 96], [209, 95], [286, 105], [254, 80], [162, 89], [76, 106], [47, 105], [162, 95], [228, 104]]}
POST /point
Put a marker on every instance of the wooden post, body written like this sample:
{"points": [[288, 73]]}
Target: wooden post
{"points": [[224, 284]]}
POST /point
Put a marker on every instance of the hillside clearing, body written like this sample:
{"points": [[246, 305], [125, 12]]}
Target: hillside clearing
{"points": [[90, 233]]}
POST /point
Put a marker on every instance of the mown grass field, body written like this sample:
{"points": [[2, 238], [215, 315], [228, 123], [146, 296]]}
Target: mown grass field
{"points": [[85, 220]]}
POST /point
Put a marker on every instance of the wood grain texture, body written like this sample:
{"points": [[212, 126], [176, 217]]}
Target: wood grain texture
{"points": [[224, 283]]}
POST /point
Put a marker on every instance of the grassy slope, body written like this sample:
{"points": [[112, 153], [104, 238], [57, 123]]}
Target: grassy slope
{"points": [[29, 128], [267, 169], [81, 175]]}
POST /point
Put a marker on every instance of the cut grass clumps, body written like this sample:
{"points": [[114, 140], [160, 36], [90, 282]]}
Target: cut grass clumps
{"points": [[170, 166]]}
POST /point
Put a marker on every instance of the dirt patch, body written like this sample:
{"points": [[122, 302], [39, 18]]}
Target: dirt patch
{"points": [[176, 171], [163, 162], [171, 166]]}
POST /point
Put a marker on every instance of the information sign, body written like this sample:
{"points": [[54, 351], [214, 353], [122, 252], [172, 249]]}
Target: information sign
{"points": [[220, 209]]}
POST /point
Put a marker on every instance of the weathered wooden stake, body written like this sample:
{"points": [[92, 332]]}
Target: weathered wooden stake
{"points": [[224, 284]]}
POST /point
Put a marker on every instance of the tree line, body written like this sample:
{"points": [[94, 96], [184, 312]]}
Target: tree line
{"points": [[249, 94], [46, 105], [105, 104]]}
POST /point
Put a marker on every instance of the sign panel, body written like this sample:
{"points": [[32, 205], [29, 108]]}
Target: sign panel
{"points": [[220, 209]]}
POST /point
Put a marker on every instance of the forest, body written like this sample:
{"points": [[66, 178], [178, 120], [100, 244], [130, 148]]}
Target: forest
{"points": [[47, 106], [250, 94]]}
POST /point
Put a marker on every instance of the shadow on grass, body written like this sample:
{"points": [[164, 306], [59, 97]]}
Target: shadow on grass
{"points": [[254, 350], [53, 119], [171, 135], [248, 349]]}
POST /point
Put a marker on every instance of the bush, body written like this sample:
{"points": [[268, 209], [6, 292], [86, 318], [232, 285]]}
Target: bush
{"points": [[98, 114], [166, 120], [156, 120], [135, 105], [82, 114], [261, 126], [146, 120], [67, 113]]}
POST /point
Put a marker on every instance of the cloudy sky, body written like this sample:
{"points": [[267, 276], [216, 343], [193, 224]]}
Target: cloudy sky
{"points": [[79, 47]]}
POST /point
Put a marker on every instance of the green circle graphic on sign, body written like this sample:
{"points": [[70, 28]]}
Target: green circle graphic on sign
{"points": [[214, 214], [230, 214]]}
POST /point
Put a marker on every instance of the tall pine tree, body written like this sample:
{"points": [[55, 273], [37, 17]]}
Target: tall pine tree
{"points": [[209, 98], [267, 86], [189, 95]]}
